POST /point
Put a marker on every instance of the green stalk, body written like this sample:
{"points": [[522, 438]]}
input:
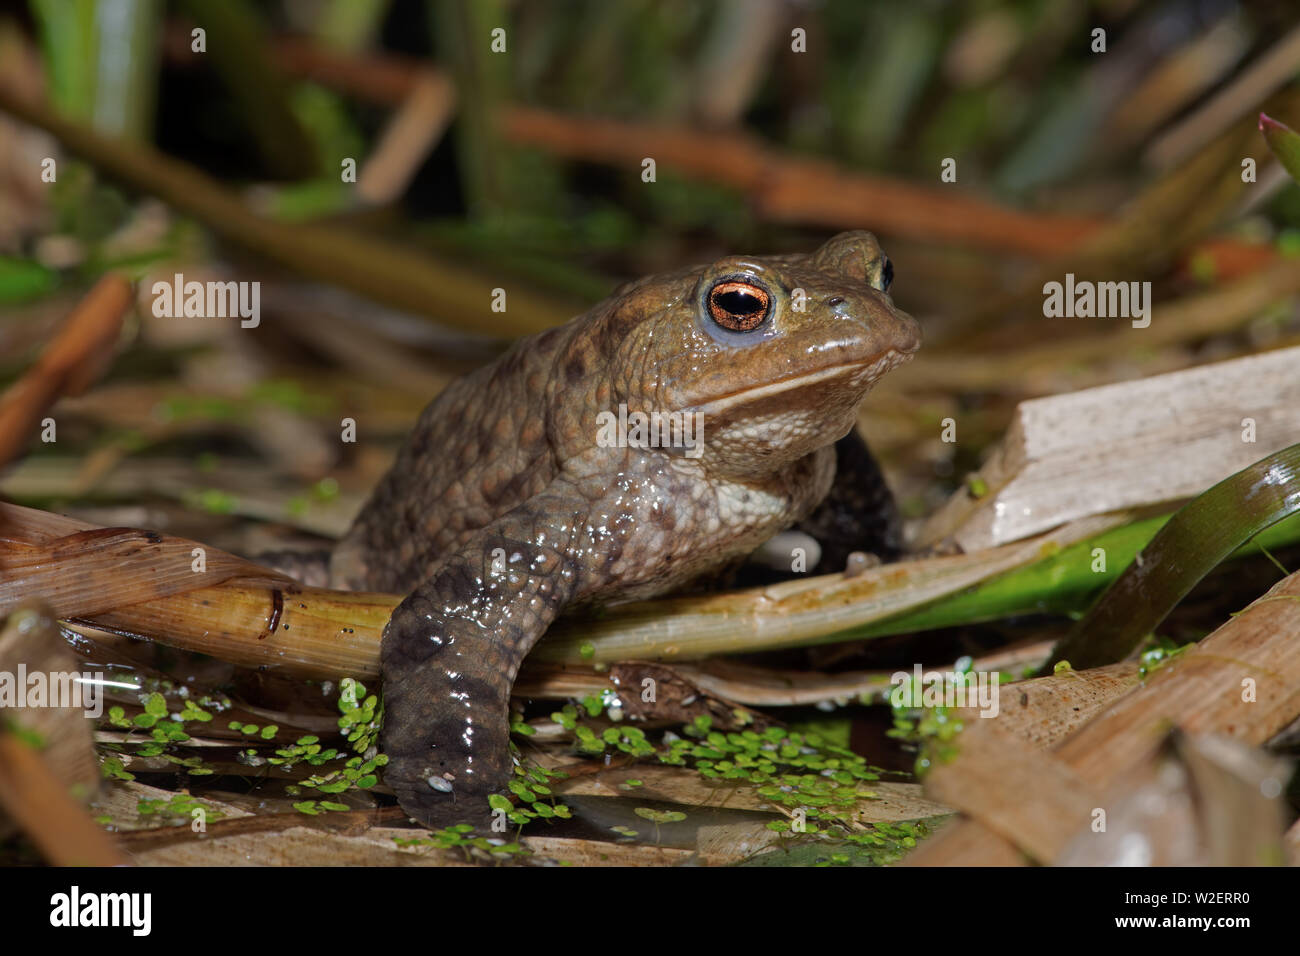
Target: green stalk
{"points": [[237, 45], [68, 43], [1061, 584], [1196, 540], [463, 31], [101, 59], [1062, 581]]}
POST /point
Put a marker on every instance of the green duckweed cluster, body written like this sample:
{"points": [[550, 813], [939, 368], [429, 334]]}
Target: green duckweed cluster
{"points": [[316, 807], [930, 731], [807, 772], [160, 732], [306, 750], [793, 769], [880, 845], [461, 837], [815, 779], [361, 714], [531, 787], [625, 738], [253, 730], [179, 810], [657, 817]]}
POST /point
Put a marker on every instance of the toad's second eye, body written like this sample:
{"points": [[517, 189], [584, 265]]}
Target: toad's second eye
{"points": [[738, 305]]}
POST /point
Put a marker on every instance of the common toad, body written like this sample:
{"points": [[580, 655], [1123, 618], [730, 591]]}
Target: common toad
{"points": [[527, 487]]}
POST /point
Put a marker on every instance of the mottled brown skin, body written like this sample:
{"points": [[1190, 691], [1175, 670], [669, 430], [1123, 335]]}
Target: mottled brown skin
{"points": [[508, 458]]}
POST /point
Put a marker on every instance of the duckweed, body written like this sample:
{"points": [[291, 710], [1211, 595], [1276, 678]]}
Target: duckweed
{"points": [[176, 811]]}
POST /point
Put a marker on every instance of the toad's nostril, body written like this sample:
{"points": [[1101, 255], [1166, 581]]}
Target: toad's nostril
{"points": [[835, 300]]}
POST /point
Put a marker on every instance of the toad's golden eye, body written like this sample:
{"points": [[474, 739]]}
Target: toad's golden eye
{"points": [[738, 305]]}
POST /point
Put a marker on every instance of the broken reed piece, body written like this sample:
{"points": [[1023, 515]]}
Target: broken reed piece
{"points": [[1044, 711], [46, 749], [1241, 682], [39, 668], [188, 595], [990, 778], [38, 802], [1000, 759], [1127, 445], [1204, 800], [72, 360]]}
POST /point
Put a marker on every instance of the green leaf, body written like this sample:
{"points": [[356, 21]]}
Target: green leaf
{"points": [[23, 281], [520, 790], [1284, 142], [1195, 540]]}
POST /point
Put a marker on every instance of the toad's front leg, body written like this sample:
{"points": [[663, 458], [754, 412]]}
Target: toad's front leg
{"points": [[451, 652]]}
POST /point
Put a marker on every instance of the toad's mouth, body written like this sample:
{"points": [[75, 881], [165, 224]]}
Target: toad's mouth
{"points": [[861, 374]]}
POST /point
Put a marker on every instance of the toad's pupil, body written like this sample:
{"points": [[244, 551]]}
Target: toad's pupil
{"points": [[888, 277], [739, 303]]}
